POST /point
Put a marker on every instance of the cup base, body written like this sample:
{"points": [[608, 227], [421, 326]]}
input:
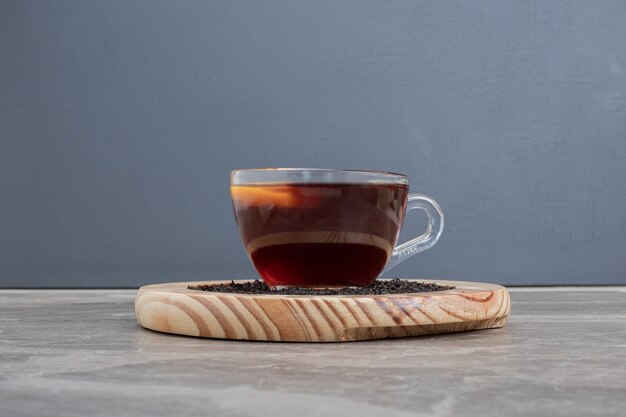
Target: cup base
{"points": [[314, 287]]}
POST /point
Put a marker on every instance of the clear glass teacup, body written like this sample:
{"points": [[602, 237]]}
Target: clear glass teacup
{"points": [[327, 227]]}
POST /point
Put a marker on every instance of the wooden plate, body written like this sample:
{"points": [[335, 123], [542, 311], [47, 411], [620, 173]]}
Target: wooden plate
{"points": [[173, 308]]}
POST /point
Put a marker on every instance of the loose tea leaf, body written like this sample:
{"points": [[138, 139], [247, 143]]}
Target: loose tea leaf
{"points": [[379, 287]]}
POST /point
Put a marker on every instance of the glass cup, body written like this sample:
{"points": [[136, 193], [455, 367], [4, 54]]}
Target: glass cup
{"points": [[327, 227]]}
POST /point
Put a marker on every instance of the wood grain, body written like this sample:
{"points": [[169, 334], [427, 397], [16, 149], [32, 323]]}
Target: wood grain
{"points": [[173, 308]]}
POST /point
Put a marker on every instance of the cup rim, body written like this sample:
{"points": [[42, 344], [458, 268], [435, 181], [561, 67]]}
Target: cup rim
{"points": [[324, 175]]}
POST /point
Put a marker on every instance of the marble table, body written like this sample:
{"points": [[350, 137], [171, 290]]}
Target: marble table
{"points": [[81, 353]]}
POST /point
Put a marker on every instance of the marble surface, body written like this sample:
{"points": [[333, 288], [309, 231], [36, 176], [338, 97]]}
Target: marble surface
{"points": [[81, 353]]}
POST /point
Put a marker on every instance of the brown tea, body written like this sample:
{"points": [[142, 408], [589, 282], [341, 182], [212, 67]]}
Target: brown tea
{"points": [[319, 235]]}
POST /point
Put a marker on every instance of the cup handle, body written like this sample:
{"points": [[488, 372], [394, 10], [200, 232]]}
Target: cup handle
{"points": [[426, 240]]}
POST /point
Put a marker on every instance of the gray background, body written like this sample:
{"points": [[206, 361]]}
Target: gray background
{"points": [[120, 120]]}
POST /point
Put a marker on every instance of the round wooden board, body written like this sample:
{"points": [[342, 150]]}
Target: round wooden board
{"points": [[173, 308]]}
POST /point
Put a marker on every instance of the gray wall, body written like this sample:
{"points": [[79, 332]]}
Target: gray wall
{"points": [[120, 120]]}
